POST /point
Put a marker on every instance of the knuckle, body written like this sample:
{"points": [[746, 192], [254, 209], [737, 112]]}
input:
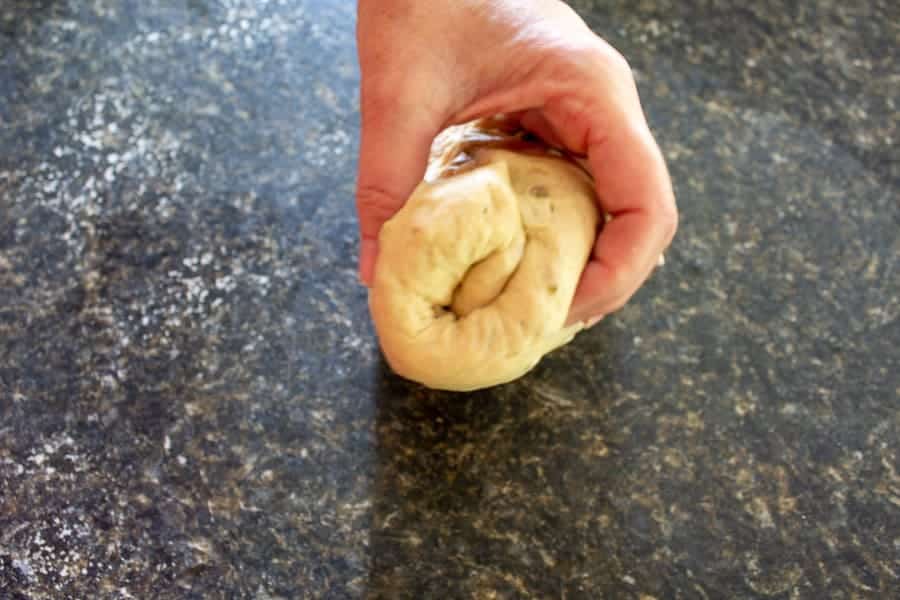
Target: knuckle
{"points": [[611, 61]]}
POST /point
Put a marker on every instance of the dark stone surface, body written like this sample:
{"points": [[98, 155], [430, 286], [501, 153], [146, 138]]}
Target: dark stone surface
{"points": [[191, 400]]}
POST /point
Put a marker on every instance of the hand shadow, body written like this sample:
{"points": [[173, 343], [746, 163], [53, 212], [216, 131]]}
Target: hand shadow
{"points": [[498, 493]]}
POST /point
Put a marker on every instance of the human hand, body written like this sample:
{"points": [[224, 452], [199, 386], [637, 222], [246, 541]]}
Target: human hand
{"points": [[428, 65]]}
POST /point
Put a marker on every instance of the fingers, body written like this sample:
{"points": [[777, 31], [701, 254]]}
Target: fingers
{"points": [[634, 187], [394, 147], [632, 182]]}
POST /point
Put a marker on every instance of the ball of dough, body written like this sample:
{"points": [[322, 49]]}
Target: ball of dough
{"points": [[476, 273]]}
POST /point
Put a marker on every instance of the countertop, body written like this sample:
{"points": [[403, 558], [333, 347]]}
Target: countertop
{"points": [[192, 401]]}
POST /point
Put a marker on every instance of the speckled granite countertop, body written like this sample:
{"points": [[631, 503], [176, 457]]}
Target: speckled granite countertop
{"points": [[192, 404]]}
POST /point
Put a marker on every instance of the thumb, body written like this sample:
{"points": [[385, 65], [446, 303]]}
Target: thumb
{"points": [[394, 147]]}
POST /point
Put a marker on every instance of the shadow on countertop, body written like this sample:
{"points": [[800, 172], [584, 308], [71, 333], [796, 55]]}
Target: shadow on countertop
{"points": [[497, 492]]}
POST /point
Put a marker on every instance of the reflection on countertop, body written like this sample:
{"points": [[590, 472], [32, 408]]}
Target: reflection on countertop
{"points": [[192, 403]]}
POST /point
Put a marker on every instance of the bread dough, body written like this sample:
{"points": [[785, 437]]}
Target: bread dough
{"points": [[476, 273]]}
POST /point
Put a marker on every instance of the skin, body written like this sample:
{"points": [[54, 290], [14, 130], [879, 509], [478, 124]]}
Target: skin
{"points": [[429, 64]]}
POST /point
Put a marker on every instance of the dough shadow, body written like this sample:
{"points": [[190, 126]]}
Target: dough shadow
{"points": [[486, 492]]}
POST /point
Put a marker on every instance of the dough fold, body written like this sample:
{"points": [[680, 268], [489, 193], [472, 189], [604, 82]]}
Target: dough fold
{"points": [[476, 273]]}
